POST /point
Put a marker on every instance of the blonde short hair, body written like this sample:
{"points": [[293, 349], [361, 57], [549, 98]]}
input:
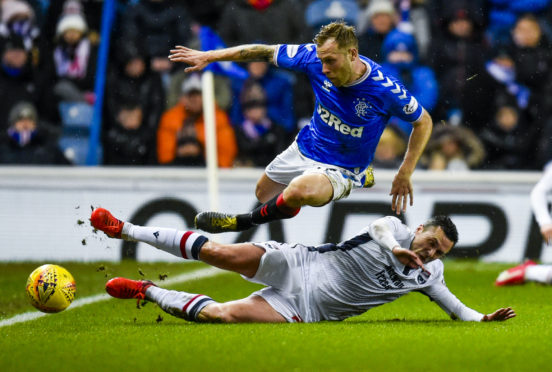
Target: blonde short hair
{"points": [[343, 34]]}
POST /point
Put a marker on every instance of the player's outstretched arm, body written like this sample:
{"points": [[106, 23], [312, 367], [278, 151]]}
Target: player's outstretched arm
{"points": [[401, 188], [198, 59], [499, 315]]}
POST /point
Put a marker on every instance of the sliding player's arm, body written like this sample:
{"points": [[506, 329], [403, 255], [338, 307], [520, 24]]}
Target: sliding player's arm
{"points": [[198, 59], [382, 231], [439, 293]]}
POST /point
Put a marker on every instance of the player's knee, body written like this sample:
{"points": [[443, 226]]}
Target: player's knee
{"points": [[260, 193], [302, 191], [223, 313], [216, 313]]}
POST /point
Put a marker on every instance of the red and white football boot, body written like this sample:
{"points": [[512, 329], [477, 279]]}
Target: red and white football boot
{"points": [[514, 275], [124, 288], [103, 220]]}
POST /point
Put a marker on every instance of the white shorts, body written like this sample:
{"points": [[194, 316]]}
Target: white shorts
{"points": [[291, 163], [282, 268]]}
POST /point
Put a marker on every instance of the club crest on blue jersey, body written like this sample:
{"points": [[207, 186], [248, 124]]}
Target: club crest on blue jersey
{"points": [[361, 107]]}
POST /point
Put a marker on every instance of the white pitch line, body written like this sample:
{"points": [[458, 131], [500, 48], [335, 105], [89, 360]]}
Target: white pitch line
{"points": [[25, 317]]}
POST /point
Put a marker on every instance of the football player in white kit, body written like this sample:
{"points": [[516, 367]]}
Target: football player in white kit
{"points": [[529, 271], [304, 283]]}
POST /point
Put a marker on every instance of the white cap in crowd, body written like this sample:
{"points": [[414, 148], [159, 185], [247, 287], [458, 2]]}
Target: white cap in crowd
{"points": [[71, 22]]}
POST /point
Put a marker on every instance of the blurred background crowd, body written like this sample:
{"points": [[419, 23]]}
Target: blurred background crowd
{"points": [[482, 68]]}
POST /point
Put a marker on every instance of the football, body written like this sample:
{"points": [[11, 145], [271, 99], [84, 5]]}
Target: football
{"points": [[51, 288]]}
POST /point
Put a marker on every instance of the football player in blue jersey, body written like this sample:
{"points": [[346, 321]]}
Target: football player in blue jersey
{"points": [[332, 154]]}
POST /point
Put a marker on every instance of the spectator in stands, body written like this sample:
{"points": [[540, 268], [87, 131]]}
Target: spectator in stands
{"points": [[71, 67], [18, 18], [400, 54], [254, 16], [377, 21], [531, 55], [503, 14], [322, 12], [17, 81], [131, 79], [222, 84], [206, 13], [544, 145], [508, 139], [129, 141], [420, 18], [90, 9], [277, 86], [26, 141], [259, 138], [159, 25], [181, 133], [453, 148], [523, 70], [391, 148], [458, 59], [245, 21]]}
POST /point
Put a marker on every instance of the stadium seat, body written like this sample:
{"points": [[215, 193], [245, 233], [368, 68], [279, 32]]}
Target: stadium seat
{"points": [[75, 148], [76, 114], [76, 119]]}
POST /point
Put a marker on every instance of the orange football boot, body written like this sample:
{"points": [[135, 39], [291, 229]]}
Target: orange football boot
{"points": [[104, 221], [127, 288]]}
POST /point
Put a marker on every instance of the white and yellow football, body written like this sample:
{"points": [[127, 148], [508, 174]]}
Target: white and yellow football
{"points": [[51, 288]]}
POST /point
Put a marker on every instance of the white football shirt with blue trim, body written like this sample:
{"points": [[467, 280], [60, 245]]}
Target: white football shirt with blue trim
{"points": [[348, 121]]}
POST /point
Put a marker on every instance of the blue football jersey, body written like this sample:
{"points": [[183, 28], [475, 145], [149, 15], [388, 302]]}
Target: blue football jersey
{"points": [[347, 121]]}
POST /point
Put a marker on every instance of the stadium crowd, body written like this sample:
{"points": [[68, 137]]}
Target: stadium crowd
{"points": [[480, 67]]}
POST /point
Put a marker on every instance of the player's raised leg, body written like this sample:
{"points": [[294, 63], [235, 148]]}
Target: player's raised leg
{"points": [[313, 189], [243, 258], [185, 244], [195, 307]]}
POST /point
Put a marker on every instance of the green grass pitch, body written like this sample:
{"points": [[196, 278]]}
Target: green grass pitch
{"points": [[410, 334]]}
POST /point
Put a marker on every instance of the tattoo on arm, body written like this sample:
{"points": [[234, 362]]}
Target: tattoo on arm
{"points": [[243, 53], [256, 53]]}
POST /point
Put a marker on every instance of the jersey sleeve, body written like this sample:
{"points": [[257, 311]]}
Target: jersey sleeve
{"points": [[295, 57], [398, 100], [443, 297], [539, 201], [387, 231]]}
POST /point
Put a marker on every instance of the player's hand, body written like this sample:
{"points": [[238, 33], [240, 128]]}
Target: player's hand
{"points": [[499, 315], [546, 232], [409, 258], [195, 58], [401, 189]]}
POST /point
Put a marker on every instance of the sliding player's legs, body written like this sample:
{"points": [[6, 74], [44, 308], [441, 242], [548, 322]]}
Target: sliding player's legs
{"points": [[242, 258], [195, 307]]}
